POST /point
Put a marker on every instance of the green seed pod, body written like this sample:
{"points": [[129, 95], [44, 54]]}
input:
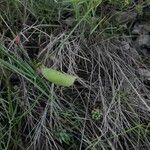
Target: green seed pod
{"points": [[57, 77]]}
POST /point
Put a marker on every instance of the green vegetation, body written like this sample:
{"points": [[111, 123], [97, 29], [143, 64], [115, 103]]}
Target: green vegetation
{"points": [[96, 114], [107, 107], [57, 77]]}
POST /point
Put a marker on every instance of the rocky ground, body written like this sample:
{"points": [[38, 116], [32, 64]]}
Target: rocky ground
{"points": [[140, 33]]}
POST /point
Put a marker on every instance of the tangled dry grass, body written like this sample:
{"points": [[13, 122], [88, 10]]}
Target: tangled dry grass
{"points": [[108, 107]]}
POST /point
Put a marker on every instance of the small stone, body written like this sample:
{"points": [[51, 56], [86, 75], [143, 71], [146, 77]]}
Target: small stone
{"points": [[144, 72], [144, 41], [143, 28], [126, 17], [137, 29], [143, 37], [126, 45]]}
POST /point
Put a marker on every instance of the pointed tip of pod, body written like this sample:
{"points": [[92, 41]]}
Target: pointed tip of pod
{"points": [[57, 77]]}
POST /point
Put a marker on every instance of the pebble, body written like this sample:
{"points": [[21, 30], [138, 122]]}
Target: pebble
{"points": [[126, 17], [144, 41], [144, 72], [143, 37]]}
